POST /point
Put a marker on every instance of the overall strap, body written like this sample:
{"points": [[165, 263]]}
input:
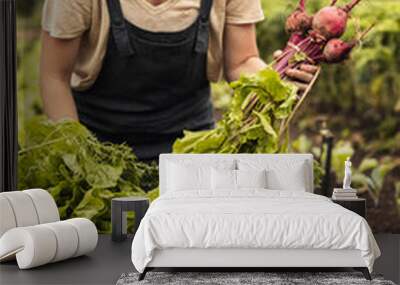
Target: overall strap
{"points": [[119, 29], [201, 45]]}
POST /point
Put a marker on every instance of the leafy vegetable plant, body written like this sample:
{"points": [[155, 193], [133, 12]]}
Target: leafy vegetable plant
{"points": [[260, 103], [82, 174]]}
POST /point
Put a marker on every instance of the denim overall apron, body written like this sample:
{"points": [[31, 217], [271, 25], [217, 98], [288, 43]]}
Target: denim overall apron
{"points": [[151, 87]]}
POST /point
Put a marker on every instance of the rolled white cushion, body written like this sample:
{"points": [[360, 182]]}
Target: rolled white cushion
{"points": [[23, 208], [67, 240], [45, 206], [87, 235], [33, 246], [7, 218], [40, 244]]}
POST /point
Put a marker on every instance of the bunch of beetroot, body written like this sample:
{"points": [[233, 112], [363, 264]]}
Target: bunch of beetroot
{"points": [[316, 38], [263, 104]]}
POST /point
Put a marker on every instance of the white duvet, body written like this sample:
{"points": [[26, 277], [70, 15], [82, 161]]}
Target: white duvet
{"points": [[250, 219]]}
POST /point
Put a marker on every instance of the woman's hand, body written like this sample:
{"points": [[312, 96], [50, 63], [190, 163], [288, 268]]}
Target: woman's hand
{"points": [[241, 57], [301, 76]]}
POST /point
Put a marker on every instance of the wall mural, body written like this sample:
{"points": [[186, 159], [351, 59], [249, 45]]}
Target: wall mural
{"points": [[357, 103]]}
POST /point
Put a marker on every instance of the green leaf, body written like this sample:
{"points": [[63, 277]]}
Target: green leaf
{"points": [[102, 175], [285, 109], [368, 164], [302, 144], [188, 143], [72, 163], [378, 175], [266, 124], [90, 206], [298, 57], [272, 83]]}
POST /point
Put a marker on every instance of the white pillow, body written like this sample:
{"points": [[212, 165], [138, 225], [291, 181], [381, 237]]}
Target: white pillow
{"points": [[223, 179], [193, 174], [291, 175], [226, 179], [251, 178], [188, 177], [295, 180]]}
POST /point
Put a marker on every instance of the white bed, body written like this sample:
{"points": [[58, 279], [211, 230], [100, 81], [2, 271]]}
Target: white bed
{"points": [[249, 227]]}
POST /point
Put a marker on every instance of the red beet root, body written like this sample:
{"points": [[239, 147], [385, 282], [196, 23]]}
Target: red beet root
{"points": [[337, 50], [299, 21], [330, 22]]}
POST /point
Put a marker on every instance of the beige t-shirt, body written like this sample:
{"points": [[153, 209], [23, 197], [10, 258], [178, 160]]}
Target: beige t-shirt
{"points": [[66, 19]]}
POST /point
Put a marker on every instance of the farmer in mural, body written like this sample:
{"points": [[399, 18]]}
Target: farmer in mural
{"points": [[139, 71]]}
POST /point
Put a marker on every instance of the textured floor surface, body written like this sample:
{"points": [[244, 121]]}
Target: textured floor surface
{"points": [[110, 259], [102, 266], [244, 278]]}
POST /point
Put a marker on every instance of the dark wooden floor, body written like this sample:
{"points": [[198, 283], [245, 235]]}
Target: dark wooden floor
{"points": [[110, 260]]}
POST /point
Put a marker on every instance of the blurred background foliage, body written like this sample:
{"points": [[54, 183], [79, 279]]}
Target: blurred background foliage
{"points": [[359, 101]]}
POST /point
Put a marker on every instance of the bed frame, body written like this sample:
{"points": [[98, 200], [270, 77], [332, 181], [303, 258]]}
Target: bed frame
{"points": [[242, 259]]}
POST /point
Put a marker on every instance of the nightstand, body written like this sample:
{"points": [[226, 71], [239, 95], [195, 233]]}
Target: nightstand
{"points": [[119, 207], [357, 205]]}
